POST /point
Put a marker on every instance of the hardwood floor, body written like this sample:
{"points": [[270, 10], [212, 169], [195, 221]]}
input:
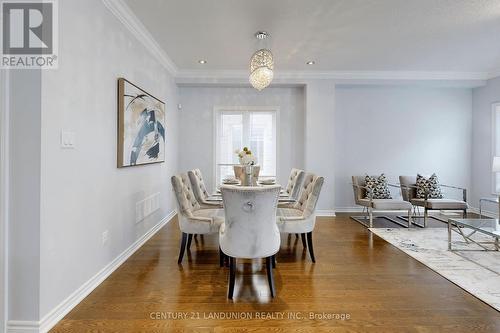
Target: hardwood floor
{"points": [[356, 275]]}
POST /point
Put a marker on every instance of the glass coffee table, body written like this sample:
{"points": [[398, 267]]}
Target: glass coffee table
{"points": [[468, 227], [493, 200]]}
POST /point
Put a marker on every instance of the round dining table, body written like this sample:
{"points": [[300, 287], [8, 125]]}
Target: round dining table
{"points": [[283, 197]]}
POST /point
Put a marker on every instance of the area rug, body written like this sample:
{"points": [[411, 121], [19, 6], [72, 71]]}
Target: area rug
{"points": [[477, 272]]}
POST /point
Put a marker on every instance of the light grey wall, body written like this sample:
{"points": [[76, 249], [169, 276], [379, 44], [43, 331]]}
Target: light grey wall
{"points": [[24, 196], [197, 132], [401, 131], [319, 137], [483, 97], [83, 193]]}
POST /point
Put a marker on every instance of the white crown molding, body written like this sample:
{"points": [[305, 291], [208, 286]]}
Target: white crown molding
{"points": [[337, 75], [125, 15], [300, 78], [58, 312]]}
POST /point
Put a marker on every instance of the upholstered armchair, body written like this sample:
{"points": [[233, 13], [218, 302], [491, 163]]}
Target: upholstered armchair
{"points": [[409, 190], [250, 230], [301, 217], [239, 172], [363, 196], [200, 191], [192, 219]]}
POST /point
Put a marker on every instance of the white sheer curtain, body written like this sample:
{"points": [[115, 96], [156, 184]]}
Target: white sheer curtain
{"points": [[496, 144], [245, 128]]}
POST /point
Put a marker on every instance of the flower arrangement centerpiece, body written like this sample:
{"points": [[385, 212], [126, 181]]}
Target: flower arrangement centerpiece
{"points": [[246, 157]]}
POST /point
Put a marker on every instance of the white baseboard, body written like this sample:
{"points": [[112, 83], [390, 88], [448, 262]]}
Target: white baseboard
{"points": [[51, 319], [325, 212], [485, 213], [357, 209], [23, 326]]}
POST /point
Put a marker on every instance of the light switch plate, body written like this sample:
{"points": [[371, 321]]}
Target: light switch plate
{"points": [[68, 139], [105, 236]]}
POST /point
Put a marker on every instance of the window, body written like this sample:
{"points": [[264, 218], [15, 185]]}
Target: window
{"points": [[495, 145], [236, 128]]}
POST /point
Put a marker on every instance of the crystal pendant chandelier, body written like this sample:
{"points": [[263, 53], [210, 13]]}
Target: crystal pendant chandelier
{"points": [[261, 65]]}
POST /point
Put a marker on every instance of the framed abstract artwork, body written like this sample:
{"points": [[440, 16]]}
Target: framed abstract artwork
{"points": [[141, 126]]}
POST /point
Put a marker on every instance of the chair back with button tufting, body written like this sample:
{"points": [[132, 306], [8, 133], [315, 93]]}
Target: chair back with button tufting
{"points": [[199, 188], [186, 200], [309, 194], [294, 182]]}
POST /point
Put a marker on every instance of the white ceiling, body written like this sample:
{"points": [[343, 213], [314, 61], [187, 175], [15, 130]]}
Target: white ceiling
{"points": [[340, 35]]}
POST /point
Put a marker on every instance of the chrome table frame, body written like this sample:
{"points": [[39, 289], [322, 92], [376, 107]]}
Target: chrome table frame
{"points": [[457, 225]]}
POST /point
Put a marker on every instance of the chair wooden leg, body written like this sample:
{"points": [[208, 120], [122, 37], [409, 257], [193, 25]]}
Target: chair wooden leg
{"points": [[269, 269], [310, 246], [465, 214], [190, 238], [183, 247], [221, 258], [296, 235], [274, 261], [303, 236], [232, 275]]}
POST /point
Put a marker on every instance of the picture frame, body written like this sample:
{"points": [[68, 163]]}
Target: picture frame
{"points": [[141, 126]]}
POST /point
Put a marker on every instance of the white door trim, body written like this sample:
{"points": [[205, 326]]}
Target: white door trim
{"points": [[4, 196]]}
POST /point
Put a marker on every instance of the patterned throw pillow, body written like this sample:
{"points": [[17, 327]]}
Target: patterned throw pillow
{"points": [[377, 186], [430, 186]]}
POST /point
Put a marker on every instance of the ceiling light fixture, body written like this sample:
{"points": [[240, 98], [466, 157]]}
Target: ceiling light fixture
{"points": [[310, 62], [261, 65], [202, 61]]}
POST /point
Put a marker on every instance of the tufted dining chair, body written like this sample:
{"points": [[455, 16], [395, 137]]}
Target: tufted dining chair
{"points": [[250, 230], [301, 217], [200, 190], [293, 187], [193, 219], [294, 182]]}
